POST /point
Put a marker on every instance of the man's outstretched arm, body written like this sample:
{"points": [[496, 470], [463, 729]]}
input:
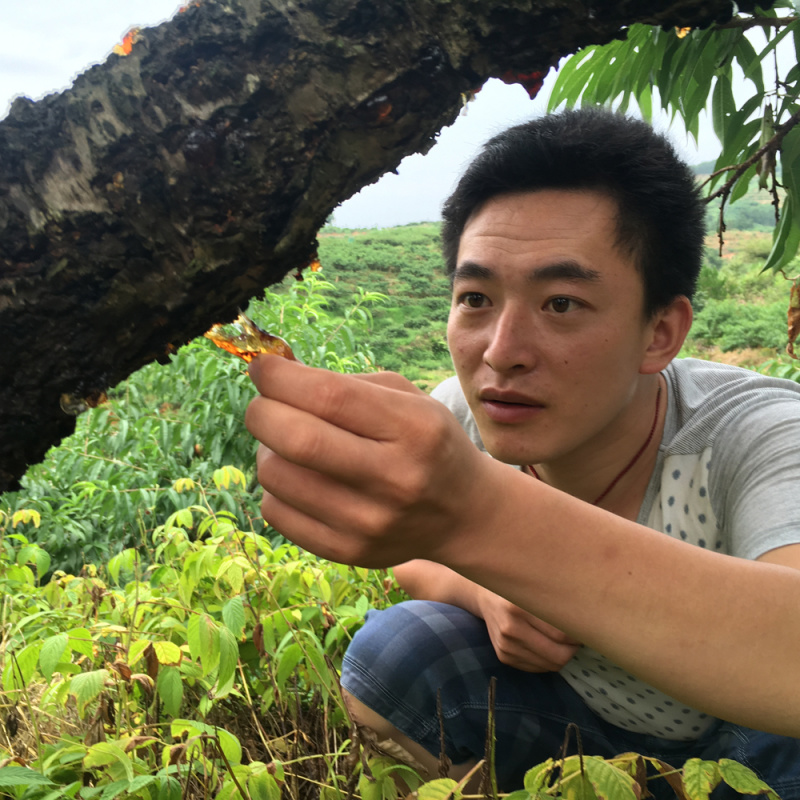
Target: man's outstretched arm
{"points": [[519, 638], [370, 471]]}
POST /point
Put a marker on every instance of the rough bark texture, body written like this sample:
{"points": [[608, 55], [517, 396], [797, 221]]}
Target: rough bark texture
{"points": [[168, 186]]}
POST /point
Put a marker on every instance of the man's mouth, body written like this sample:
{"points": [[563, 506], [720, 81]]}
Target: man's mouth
{"points": [[509, 398], [509, 407]]}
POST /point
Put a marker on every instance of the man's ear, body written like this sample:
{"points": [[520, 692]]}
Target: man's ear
{"points": [[667, 330]]}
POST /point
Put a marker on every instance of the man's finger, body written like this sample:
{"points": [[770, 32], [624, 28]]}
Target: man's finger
{"points": [[391, 380], [552, 633], [303, 439], [308, 532], [364, 406], [328, 520]]}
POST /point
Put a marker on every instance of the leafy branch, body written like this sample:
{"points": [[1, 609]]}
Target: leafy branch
{"points": [[766, 152], [689, 74]]}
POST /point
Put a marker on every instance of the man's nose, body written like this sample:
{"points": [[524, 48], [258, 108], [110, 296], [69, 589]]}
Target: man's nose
{"points": [[512, 344]]}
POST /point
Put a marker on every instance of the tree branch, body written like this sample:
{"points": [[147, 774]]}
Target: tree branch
{"points": [[739, 169], [169, 186], [758, 22]]}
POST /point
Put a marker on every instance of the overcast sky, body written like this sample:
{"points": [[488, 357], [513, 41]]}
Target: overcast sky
{"points": [[45, 44]]}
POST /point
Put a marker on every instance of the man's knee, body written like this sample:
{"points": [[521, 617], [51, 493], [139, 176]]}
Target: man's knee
{"points": [[411, 753], [364, 716]]}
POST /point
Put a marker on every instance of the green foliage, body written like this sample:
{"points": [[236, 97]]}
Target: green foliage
{"points": [[110, 484], [134, 678], [404, 264], [299, 312], [625, 777], [782, 367], [735, 326], [213, 669], [687, 74]]}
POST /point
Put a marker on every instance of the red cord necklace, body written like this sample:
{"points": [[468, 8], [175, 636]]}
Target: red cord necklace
{"points": [[630, 463]]}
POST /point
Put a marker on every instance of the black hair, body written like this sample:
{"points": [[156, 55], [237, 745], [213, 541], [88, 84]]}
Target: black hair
{"points": [[660, 219]]}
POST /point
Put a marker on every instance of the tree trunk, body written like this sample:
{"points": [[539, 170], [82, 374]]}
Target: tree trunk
{"points": [[167, 187]]}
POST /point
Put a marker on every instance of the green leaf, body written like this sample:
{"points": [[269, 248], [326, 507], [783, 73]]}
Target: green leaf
{"points": [[700, 778], [790, 162], [203, 636], [263, 787], [22, 776], [115, 789], [80, 641], [576, 784], [169, 788], [170, 689], [184, 518], [287, 661], [537, 777], [572, 77], [722, 106], [609, 782], [369, 788], [750, 63], [742, 779], [33, 554], [104, 753], [87, 686], [125, 560], [70, 791], [785, 239], [319, 671], [439, 789], [228, 659], [774, 42], [742, 184], [233, 615], [137, 649], [20, 666], [167, 653], [228, 742], [728, 47], [225, 476], [53, 649]]}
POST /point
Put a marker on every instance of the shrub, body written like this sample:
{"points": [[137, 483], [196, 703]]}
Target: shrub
{"points": [[109, 485], [734, 326]]}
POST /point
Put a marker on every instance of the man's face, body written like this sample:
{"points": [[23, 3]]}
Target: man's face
{"points": [[547, 329]]}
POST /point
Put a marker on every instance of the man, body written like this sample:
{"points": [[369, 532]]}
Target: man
{"points": [[638, 572]]}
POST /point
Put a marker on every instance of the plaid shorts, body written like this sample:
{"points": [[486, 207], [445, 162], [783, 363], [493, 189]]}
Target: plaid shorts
{"points": [[404, 655]]}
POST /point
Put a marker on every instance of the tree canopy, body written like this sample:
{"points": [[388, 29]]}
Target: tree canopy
{"points": [[690, 70]]}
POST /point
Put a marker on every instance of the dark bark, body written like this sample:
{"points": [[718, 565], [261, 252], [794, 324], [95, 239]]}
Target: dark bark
{"points": [[167, 187]]}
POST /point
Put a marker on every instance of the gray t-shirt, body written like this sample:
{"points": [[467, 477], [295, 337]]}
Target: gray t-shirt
{"points": [[727, 478]]}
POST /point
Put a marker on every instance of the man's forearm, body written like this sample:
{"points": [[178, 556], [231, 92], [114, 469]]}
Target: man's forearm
{"points": [[719, 633], [427, 580]]}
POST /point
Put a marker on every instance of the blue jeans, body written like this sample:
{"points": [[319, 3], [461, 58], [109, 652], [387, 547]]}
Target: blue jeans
{"points": [[404, 655]]}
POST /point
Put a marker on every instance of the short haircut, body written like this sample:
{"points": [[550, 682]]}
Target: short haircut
{"points": [[660, 219]]}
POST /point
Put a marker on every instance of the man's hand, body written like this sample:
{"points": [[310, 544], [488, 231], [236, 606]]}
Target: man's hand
{"points": [[365, 469], [522, 640]]}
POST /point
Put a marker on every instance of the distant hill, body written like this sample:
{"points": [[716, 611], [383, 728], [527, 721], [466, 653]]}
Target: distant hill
{"points": [[704, 168]]}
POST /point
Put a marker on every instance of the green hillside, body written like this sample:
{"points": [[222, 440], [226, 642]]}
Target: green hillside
{"points": [[405, 265]]}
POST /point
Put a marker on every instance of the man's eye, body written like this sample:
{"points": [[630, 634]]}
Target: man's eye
{"points": [[472, 299], [562, 304]]}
